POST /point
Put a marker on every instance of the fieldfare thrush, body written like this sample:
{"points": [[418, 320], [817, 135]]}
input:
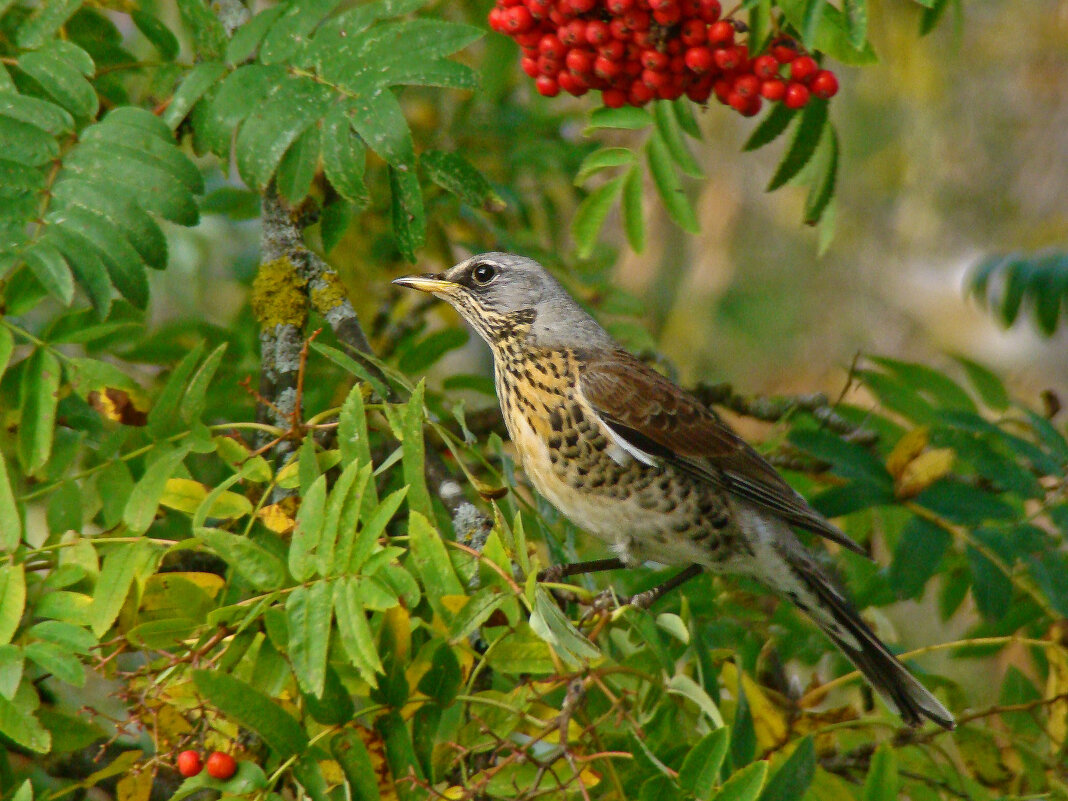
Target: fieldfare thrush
{"points": [[646, 467]]}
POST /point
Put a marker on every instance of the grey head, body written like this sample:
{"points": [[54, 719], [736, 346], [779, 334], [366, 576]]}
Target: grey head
{"points": [[501, 295]]}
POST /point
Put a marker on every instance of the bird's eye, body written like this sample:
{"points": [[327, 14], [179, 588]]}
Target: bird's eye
{"points": [[483, 274]]}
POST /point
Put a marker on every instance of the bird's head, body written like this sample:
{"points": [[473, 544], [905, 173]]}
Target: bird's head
{"points": [[502, 295]]}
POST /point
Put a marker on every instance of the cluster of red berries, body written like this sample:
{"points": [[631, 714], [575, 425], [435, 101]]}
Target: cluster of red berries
{"points": [[635, 51], [220, 766]]}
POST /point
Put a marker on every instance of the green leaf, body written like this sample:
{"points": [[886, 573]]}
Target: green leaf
{"points": [[37, 113], [342, 512], [825, 169], [631, 209], [308, 531], [603, 159], [881, 783], [770, 127], [475, 612], [414, 456], [23, 728], [38, 398], [248, 782], [832, 35], [667, 185], [963, 504], [932, 15], [990, 388], [379, 119], [308, 615], [929, 382], [400, 755], [209, 36], [192, 403], [10, 519], [549, 623], [408, 216], [442, 681], [667, 125], [591, 214], [45, 20], [143, 502], [917, 557], [12, 600], [50, 268], [700, 769], [163, 418], [165, 42], [454, 173], [279, 119], [803, 145], [335, 707], [196, 83], [627, 117], [991, 588], [247, 38], [683, 109], [857, 19], [123, 564], [432, 563], [258, 566], [813, 16], [344, 157], [250, 708], [289, 33], [351, 754], [352, 429], [51, 66], [239, 93], [793, 778], [745, 784], [848, 459], [354, 631], [427, 351], [373, 526], [58, 661]]}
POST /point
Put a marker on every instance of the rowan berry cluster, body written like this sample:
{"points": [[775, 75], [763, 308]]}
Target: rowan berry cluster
{"points": [[635, 51], [220, 765]]}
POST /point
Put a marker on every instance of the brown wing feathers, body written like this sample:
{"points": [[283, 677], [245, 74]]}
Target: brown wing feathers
{"points": [[664, 421]]}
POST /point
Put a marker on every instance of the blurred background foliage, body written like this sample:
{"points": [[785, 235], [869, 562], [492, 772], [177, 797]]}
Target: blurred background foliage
{"points": [[331, 620]]}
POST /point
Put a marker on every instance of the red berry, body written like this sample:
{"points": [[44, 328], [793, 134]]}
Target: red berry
{"points": [[579, 61], [784, 51], [496, 19], [700, 92], [572, 84], [664, 5], [752, 108], [640, 94], [693, 33], [573, 33], [606, 68], [582, 6], [597, 32], [550, 46], [728, 58], [721, 33], [709, 10], [737, 101], [824, 84], [518, 20], [614, 98], [654, 79], [766, 67], [614, 50], [699, 59], [528, 39], [221, 766], [619, 30], [669, 17], [619, 7], [530, 66], [547, 86], [540, 9], [189, 763], [747, 85], [797, 96], [548, 66], [803, 68], [637, 20], [655, 60], [773, 90]]}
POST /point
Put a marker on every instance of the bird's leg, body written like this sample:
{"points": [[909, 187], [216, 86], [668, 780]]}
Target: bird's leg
{"points": [[643, 600], [557, 572]]}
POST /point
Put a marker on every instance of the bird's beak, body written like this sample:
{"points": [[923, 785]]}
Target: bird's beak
{"points": [[433, 283]]}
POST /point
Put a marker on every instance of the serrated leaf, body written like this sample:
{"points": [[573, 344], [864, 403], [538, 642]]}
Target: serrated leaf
{"points": [[917, 557], [192, 403], [192, 88], [251, 708], [626, 117], [144, 499], [806, 137], [683, 109], [38, 398], [258, 566], [231, 101], [667, 184], [45, 20], [351, 754], [12, 600], [380, 121], [792, 779], [407, 214], [590, 215], [289, 33], [881, 783], [248, 37], [631, 209], [61, 80], [442, 681], [163, 417], [209, 36], [825, 169], [831, 35], [56, 660], [475, 612], [549, 623], [26, 144], [10, 519], [309, 612], [354, 632], [602, 159], [23, 728], [50, 268], [344, 157], [373, 527], [668, 127], [432, 563], [991, 588], [414, 454], [454, 173], [36, 112], [700, 769], [308, 531], [745, 784], [121, 566]]}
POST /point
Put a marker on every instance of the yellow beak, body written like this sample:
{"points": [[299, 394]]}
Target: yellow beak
{"points": [[432, 283]]}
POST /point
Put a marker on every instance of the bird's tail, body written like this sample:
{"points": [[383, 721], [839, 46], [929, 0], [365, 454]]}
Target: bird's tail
{"points": [[840, 621]]}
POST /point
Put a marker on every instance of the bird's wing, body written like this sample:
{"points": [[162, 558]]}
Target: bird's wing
{"points": [[664, 423]]}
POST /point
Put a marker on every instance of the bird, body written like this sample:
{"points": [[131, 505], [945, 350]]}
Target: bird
{"points": [[643, 465]]}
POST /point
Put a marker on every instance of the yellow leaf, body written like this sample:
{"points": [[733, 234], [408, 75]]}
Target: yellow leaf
{"points": [[454, 603], [768, 720], [277, 518], [186, 495], [1057, 685], [908, 448], [170, 724], [454, 792], [135, 786], [923, 471], [236, 453], [397, 623], [289, 476], [332, 772]]}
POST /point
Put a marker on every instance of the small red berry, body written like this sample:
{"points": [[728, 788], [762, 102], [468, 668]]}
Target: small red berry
{"points": [[530, 66], [573, 33], [496, 19], [597, 32], [721, 33], [728, 58], [572, 84], [664, 5], [637, 20], [540, 8], [824, 84], [221, 766], [614, 98], [747, 85], [655, 60], [773, 90], [518, 20], [797, 96], [669, 17], [579, 60], [722, 89], [710, 10], [189, 763], [753, 108], [700, 92], [766, 67], [803, 68], [619, 7], [654, 79], [528, 39], [582, 6], [619, 30], [693, 32], [640, 94], [700, 59], [607, 68], [547, 86], [548, 66], [784, 51], [550, 45]]}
